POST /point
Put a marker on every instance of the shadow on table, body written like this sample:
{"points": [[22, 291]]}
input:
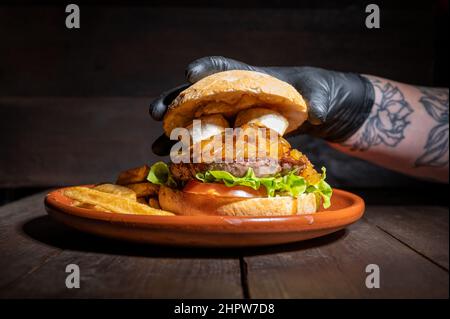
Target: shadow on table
{"points": [[46, 230]]}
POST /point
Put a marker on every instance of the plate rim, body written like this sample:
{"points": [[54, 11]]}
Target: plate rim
{"points": [[247, 224]]}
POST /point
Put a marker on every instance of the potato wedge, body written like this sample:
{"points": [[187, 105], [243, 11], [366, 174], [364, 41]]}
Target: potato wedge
{"points": [[117, 190], [134, 175], [144, 189], [153, 202], [111, 202], [89, 206]]}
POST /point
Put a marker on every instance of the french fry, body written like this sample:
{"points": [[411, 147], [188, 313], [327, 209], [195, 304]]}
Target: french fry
{"points": [[111, 202], [89, 206], [153, 202], [144, 189], [134, 175], [117, 190]]}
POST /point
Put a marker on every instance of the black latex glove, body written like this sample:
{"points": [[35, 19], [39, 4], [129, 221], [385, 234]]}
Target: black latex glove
{"points": [[338, 103]]}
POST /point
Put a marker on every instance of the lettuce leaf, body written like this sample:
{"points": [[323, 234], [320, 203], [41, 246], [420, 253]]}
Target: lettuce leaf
{"points": [[249, 179], [322, 189], [290, 184], [160, 174]]}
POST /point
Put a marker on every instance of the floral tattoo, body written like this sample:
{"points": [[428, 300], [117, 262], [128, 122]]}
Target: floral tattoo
{"points": [[387, 125], [435, 102]]}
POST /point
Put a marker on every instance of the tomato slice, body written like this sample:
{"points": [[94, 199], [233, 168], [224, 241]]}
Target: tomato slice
{"points": [[196, 187]]}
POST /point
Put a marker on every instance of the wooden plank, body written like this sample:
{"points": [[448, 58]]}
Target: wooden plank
{"points": [[59, 141], [149, 275], [141, 51], [423, 228], [334, 267], [19, 253], [35, 250]]}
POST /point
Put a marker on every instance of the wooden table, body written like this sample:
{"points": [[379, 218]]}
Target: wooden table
{"points": [[409, 244]]}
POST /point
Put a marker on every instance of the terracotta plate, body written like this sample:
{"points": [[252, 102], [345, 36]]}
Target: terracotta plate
{"points": [[208, 231]]}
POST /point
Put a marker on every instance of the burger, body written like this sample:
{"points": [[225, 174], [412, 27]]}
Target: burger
{"points": [[245, 166]]}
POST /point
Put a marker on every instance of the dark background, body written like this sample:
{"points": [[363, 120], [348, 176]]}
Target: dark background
{"points": [[74, 102]]}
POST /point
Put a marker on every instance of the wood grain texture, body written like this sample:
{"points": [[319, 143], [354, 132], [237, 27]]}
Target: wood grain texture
{"points": [[21, 255], [35, 250], [141, 51], [423, 228], [56, 141], [334, 267], [109, 276]]}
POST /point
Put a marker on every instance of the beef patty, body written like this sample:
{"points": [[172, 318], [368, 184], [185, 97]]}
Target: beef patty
{"points": [[262, 168]]}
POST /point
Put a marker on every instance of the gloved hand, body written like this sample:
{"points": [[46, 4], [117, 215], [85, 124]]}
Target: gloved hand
{"points": [[338, 103]]}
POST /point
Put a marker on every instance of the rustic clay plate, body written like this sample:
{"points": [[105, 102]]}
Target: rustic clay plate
{"points": [[208, 231]]}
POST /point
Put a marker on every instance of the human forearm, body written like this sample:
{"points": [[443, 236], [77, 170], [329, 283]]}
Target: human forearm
{"points": [[407, 130]]}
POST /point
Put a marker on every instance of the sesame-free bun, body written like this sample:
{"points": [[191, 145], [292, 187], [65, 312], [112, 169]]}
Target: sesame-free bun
{"points": [[230, 92], [184, 203]]}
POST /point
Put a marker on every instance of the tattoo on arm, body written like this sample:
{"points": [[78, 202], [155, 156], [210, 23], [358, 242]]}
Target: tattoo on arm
{"points": [[388, 121], [435, 102]]}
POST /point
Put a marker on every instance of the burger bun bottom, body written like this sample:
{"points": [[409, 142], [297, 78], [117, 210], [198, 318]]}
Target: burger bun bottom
{"points": [[183, 203]]}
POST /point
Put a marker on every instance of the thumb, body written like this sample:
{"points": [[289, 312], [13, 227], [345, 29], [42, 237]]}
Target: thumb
{"points": [[158, 107], [317, 103], [205, 66]]}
